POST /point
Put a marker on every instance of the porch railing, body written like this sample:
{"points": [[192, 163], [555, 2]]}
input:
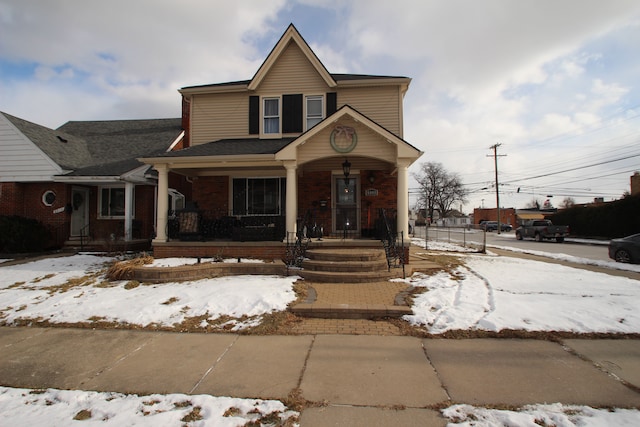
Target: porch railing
{"points": [[393, 243]]}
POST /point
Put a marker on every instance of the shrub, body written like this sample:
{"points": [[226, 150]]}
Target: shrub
{"points": [[20, 235]]}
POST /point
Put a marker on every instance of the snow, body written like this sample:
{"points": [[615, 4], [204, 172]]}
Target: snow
{"points": [[60, 407], [176, 262], [494, 293], [487, 292], [40, 290], [536, 415]]}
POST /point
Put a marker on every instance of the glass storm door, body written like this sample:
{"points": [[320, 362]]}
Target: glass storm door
{"points": [[79, 212], [345, 212]]}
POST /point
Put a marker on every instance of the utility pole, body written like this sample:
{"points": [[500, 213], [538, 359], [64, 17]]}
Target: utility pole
{"points": [[495, 161]]}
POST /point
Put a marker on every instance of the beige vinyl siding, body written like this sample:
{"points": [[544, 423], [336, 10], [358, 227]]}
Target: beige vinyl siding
{"points": [[382, 104], [291, 74], [20, 159], [219, 116], [370, 144]]}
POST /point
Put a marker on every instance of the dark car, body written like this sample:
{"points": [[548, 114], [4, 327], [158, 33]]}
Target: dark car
{"points": [[493, 226], [625, 249]]}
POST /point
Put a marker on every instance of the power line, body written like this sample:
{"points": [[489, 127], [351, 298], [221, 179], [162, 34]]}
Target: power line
{"points": [[575, 168]]}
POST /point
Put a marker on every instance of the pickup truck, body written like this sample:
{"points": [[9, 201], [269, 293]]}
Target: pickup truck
{"points": [[542, 230]]}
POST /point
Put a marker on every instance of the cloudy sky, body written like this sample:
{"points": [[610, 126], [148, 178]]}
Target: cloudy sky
{"points": [[555, 82]]}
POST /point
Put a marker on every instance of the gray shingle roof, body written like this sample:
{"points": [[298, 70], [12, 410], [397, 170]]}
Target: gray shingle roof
{"points": [[107, 169], [101, 148], [68, 151], [230, 147], [115, 140], [336, 77]]}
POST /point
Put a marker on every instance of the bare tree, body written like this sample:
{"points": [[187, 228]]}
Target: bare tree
{"points": [[533, 204], [439, 188], [567, 202]]}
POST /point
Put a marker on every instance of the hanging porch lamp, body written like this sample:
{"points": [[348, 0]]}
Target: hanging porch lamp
{"points": [[346, 169]]}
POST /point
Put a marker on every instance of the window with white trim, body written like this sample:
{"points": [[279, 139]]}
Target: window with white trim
{"points": [[111, 202], [271, 115], [258, 196], [314, 109]]}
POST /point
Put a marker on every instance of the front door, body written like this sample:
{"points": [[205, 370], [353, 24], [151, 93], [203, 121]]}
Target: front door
{"points": [[346, 218], [79, 212]]}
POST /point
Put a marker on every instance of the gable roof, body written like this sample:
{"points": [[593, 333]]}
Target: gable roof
{"points": [[277, 149], [87, 148], [405, 149], [65, 150], [291, 35]]}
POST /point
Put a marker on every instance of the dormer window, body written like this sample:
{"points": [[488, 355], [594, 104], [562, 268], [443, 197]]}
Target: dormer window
{"points": [[271, 115]]}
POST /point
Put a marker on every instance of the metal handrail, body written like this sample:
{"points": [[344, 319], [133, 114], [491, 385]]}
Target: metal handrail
{"points": [[82, 235], [395, 254]]}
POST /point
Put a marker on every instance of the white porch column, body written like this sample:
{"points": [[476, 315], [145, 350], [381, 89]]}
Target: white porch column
{"points": [[291, 197], [163, 202], [403, 197], [128, 210]]}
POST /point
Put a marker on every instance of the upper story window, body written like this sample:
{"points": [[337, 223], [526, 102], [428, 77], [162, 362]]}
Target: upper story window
{"points": [[314, 110], [271, 115]]}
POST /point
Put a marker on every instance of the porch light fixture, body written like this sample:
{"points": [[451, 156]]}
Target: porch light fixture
{"points": [[346, 169]]}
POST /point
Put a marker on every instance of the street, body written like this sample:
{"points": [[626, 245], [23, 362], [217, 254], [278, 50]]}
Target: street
{"points": [[596, 251]]}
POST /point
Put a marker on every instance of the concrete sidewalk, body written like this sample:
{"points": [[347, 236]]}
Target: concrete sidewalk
{"points": [[346, 379]]}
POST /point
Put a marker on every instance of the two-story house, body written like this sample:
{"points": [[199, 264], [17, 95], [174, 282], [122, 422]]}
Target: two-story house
{"points": [[294, 146]]}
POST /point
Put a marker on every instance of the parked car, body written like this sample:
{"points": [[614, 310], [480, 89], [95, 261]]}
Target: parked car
{"points": [[625, 249], [493, 226], [542, 229]]}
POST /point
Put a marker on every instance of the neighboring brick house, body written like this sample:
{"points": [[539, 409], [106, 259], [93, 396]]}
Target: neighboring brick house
{"points": [[272, 152], [83, 178]]}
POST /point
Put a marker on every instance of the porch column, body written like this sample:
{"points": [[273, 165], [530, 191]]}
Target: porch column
{"points": [[291, 197], [163, 202], [128, 210], [403, 197]]}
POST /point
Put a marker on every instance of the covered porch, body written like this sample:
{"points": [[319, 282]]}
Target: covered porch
{"points": [[252, 196]]}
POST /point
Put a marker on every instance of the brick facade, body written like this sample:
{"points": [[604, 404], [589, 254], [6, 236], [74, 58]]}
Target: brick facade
{"points": [[314, 188], [26, 200], [507, 215], [211, 193]]}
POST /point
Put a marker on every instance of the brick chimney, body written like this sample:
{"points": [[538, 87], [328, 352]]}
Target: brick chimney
{"points": [[635, 183]]}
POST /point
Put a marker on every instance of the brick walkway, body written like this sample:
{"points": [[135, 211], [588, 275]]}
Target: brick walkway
{"points": [[309, 326], [383, 293], [357, 293]]}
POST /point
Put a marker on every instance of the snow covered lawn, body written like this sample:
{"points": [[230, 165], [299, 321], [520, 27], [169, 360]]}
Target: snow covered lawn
{"points": [[494, 293], [485, 293], [63, 407], [21, 407], [74, 290]]}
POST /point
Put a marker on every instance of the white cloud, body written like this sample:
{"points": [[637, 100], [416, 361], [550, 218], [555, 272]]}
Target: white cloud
{"points": [[522, 73]]}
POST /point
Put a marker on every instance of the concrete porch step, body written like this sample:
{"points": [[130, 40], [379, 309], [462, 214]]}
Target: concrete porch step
{"points": [[345, 266], [350, 311], [346, 255], [348, 277]]}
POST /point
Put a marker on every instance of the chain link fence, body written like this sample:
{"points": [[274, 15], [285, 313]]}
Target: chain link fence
{"points": [[451, 239]]}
